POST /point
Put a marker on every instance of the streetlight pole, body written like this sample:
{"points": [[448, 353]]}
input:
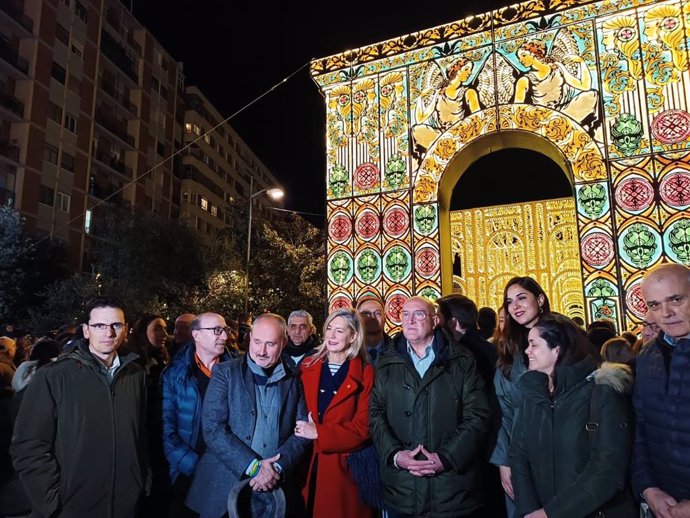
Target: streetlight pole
{"points": [[274, 193]]}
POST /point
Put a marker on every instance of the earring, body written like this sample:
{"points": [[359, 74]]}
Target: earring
{"points": [[541, 309]]}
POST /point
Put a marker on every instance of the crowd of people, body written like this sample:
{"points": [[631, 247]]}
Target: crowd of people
{"points": [[465, 413]]}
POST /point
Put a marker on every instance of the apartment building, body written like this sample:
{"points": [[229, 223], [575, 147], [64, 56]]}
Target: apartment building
{"points": [[87, 106], [217, 167], [92, 107]]}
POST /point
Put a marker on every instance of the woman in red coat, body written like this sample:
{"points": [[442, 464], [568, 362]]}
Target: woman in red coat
{"points": [[337, 384]]}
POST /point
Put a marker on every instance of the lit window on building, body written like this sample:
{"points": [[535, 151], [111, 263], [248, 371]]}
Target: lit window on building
{"points": [[87, 221], [204, 203], [64, 201]]}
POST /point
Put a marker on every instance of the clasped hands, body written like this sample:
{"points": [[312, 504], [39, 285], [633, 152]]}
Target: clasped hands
{"points": [[267, 478], [428, 467]]}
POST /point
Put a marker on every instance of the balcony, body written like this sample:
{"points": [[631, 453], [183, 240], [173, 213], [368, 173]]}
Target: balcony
{"points": [[114, 163], [114, 125], [17, 14], [119, 97], [119, 56], [9, 150], [12, 104], [103, 191], [12, 56]]}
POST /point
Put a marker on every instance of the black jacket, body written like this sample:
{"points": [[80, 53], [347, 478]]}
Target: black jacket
{"points": [[78, 442], [662, 412], [446, 411], [557, 463]]}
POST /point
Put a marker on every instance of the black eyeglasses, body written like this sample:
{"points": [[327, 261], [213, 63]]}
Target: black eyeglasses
{"points": [[115, 326], [218, 330], [369, 314]]}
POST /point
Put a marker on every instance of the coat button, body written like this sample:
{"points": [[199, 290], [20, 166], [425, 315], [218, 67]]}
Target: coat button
{"points": [[253, 413], [248, 437], [408, 443], [408, 413]]}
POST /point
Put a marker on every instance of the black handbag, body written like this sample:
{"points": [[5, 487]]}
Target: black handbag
{"points": [[364, 470]]}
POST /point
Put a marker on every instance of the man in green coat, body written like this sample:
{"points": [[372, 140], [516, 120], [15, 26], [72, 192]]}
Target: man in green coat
{"points": [[429, 418]]}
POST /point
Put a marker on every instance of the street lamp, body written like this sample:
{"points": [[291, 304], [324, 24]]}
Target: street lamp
{"points": [[276, 194]]}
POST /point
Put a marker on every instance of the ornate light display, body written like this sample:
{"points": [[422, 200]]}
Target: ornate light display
{"points": [[538, 239], [601, 84]]}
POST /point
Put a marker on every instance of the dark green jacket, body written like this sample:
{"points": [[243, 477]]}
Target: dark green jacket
{"points": [[557, 463], [446, 411], [78, 441]]}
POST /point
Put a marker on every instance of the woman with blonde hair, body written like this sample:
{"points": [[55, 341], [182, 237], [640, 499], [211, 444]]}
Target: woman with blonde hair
{"points": [[337, 384]]}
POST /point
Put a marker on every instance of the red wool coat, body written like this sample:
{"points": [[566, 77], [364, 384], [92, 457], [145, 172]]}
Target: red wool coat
{"points": [[345, 428]]}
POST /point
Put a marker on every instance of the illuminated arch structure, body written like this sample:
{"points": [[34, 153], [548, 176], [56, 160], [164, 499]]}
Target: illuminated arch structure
{"points": [[599, 87]]}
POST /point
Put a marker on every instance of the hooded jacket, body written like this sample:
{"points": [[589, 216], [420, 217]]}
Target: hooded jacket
{"points": [[78, 442], [446, 411], [561, 463]]}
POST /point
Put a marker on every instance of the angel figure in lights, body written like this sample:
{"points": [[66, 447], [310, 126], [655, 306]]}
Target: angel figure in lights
{"points": [[559, 80], [449, 96]]}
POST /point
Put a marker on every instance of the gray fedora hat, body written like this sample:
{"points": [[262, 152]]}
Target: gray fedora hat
{"points": [[244, 502]]}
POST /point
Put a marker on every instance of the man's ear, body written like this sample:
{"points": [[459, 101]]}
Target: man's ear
{"points": [[434, 319], [85, 330]]}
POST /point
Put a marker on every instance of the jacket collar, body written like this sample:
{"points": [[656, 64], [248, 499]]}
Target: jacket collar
{"points": [[396, 350], [311, 376], [567, 378]]}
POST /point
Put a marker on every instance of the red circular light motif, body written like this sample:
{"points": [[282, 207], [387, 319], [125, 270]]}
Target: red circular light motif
{"points": [[675, 189], [340, 227], [634, 194], [426, 262], [367, 225], [635, 302], [597, 249], [366, 176], [671, 126], [396, 222], [394, 307], [340, 303]]}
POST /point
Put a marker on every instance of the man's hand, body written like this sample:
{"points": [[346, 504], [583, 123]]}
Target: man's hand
{"points": [[406, 460], [507, 481], [681, 510], [268, 477], [431, 470], [659, 502], [539, 513]]}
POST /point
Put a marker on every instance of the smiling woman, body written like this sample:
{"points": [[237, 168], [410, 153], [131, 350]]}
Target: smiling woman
{"points": [[583, 420], [337, 384]]}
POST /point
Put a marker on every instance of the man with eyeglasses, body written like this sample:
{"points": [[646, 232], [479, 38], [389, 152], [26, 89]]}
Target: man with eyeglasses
{"points": [[249, 415], [374, 318], [184, 385], [661, 396], [79, 438], [650, 329], [428, 417]]}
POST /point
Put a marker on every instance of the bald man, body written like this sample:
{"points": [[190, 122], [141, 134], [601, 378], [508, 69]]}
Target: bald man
{"points": [[661, 454], [429, 416]]}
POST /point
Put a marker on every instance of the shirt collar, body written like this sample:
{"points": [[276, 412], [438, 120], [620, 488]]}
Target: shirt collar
{"points": [[427, 349]]}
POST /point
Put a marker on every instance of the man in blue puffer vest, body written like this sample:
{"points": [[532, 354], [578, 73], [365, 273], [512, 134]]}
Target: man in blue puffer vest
{"points": [[184, 384], [661, 454]]}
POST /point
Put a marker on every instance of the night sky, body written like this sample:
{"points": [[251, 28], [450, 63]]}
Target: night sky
{"points": [[234, 56]]}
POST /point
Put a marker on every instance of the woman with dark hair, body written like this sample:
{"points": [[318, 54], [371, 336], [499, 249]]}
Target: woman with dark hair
{"points": [[13, 498], [572, 436], [337, 384], [524, 302], [148, 339]]}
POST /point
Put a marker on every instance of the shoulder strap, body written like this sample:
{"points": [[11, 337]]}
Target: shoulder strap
{"points": [[593, 422]]}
